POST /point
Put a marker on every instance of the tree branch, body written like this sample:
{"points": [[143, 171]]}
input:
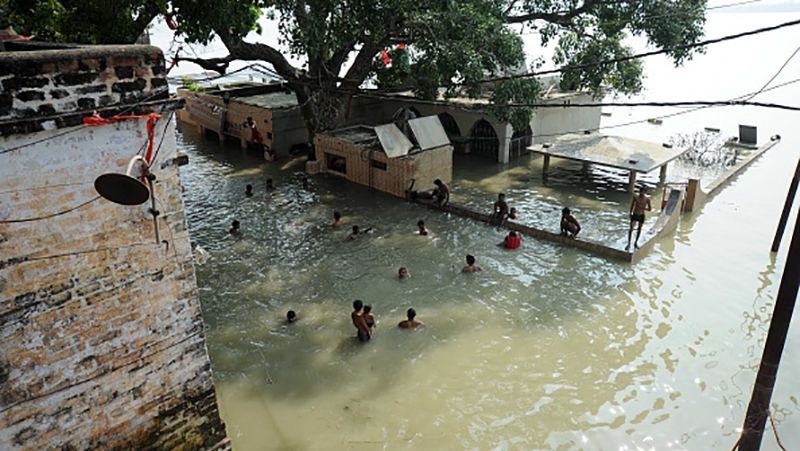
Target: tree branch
{"points": [[216, 64], [555, 17], [362, 65], [238, 49]]}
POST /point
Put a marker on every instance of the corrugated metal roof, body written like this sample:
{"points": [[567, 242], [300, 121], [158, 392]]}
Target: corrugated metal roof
{"points": [[429, 132], [394, 142]]}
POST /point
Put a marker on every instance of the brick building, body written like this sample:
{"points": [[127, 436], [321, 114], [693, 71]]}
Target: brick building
{"points": [[101, 335]]}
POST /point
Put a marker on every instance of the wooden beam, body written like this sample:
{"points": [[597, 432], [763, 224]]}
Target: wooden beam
{"points": [[632, 182]]}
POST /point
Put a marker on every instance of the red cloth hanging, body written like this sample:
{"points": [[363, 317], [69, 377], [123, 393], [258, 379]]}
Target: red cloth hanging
{"points": [[171, 22], [385, 58], [96, 121]]}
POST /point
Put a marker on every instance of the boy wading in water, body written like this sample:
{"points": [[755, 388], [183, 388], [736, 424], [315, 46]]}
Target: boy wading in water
{"points": [[639, 205]]}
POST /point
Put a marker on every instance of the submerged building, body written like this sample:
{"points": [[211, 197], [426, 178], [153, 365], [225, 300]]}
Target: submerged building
{"points": [[102, 341], [474, 130], [223, 110], [386, 158]]}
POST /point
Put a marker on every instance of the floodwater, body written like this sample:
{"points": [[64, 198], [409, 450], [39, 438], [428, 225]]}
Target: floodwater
{"points": [[547, 348]]}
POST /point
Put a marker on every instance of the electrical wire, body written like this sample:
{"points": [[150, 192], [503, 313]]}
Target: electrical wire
{"points": [[785, 63], [52, 215], [79, 127]]}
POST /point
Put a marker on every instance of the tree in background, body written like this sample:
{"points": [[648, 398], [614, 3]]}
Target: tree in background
{"points": [[437, 47]]}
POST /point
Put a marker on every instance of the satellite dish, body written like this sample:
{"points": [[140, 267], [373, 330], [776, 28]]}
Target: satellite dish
{"points": [[123, 189]]}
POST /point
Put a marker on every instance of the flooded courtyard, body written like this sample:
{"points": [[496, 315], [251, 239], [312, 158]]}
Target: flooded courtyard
{"points": [[547, 348]]}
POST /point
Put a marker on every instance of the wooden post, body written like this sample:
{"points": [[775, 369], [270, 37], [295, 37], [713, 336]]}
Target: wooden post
{"points": [[787, 208], [545, 165], [757, 411], [632, 182], [662, 175], [691, 194]]}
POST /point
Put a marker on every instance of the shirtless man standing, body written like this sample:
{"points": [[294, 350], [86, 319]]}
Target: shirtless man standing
{"points": [[639, 205], [362, 329], [442, 193]]}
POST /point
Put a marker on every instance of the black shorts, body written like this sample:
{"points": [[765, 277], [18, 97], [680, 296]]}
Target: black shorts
{"points": [[362, 337], [637, 217]]}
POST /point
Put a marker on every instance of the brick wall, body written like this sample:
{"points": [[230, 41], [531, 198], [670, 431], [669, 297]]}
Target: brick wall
{"points": [[101, 332], [42, 89]]}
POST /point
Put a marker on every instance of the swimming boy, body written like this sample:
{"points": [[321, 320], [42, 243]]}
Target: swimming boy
{"points": [[422, 229], [410, 323], [511, 241], [337, 219], [403, 273], [235, 230], [471, 265], [248, 190]]}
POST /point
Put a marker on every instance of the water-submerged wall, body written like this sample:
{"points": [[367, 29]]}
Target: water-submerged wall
{"points": [[101, 334]]}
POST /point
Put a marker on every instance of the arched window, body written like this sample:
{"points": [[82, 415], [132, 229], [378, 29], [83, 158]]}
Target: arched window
{"points": [[484, 140]]}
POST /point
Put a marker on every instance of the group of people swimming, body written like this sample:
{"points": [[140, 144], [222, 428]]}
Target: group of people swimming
{"points": [[569, 227], [362, 317]]}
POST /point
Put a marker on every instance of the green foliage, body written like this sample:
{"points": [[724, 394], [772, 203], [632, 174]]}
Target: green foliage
{"points": [[80, 21], [191, 85], [451, 44]]}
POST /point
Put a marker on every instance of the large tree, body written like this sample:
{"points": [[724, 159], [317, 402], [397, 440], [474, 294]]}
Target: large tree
{"points": [[455, 44]]}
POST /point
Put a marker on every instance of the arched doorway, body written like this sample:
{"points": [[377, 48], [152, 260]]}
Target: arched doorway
{"points": [[520, 141], [453, 132], [484, 140], [450, 125]]}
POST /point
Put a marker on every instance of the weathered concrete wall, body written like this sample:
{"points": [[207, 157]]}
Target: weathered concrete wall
{"points": [[101, 334], [41, 88]]}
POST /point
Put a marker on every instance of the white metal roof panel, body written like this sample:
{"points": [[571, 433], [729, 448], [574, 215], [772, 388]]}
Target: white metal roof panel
{"points": [[393, 141], [429, 132]]}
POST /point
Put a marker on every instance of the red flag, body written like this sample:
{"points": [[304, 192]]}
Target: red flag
{"points": [[387, 61]]}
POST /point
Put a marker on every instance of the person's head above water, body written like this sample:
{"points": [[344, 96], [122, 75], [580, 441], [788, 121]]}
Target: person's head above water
{"points": [[437, 182], [565, 211], [248, 189], [337, 216], [291, 316], [235, 224], [355, 229], [643, 191], [357, 305], [410, 314], [501, 196], [367, 308], [470, 260], [402, 272], [420, 223], [512, 233]]}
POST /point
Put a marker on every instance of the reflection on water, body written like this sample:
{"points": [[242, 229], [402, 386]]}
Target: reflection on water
{"points": [[548, 348]]}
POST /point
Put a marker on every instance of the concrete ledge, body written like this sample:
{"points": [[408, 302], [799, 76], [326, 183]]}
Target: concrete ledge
{"points": [[591, 247]]}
